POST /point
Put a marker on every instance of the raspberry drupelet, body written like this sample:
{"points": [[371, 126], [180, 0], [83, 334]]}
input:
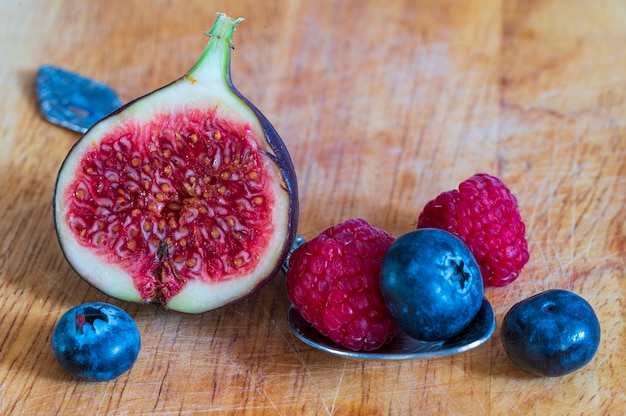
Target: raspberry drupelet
{"points": [[484, 214], [333, 281]]}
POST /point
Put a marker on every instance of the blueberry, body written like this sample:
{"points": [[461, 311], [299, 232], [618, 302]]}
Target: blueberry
{"points": [[96, 341], [431, 284], [551, 334]]}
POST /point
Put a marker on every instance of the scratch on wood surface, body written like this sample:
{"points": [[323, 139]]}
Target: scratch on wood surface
{"points": [[440, 388], [3, 398], [337, 389], [104, 396], [573, 175], [277, 328], [514, 406], [299, 357], [273, 404], [54, 279]]}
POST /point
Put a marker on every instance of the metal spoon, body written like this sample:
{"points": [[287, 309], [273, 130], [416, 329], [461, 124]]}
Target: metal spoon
{"points": [[402, 347], [75, 102], [71, 100]]}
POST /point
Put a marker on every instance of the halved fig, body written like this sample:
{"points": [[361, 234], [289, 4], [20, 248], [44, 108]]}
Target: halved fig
{"points": [[185, 197]]}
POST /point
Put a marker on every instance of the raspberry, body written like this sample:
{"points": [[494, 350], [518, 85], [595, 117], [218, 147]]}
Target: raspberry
{"points": [[484, 214], [333, 281]]}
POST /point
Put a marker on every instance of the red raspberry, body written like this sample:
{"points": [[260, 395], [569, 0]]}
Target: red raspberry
{"points": [[484, 214], [333, 281]]}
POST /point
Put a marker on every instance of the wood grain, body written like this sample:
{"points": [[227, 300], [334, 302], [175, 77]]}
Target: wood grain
{"points": [[383, 104]]}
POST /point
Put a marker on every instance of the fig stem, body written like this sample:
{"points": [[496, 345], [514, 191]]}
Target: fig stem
{"points": [[213, 66]]}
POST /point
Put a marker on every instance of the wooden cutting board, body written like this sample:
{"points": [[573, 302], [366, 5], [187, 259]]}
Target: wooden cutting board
{"points": [[383, 105]]}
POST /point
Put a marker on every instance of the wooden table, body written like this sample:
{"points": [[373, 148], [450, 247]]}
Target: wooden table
{"points": [[383, 104]]}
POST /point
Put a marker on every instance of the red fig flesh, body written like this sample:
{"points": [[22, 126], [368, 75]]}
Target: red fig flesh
{"points": [[186, 196]]}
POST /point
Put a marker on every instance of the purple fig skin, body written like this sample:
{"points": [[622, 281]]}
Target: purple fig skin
{"points": [[283, 160]]}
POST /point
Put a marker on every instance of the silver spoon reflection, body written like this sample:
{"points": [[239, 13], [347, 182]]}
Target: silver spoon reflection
{"points": [[75, 102]]}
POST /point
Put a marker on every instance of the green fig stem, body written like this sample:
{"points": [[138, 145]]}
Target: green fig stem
{"points": [[213, 66]]}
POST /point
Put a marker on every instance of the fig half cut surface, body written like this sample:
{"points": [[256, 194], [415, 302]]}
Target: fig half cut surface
{"points": [[185, 197]]}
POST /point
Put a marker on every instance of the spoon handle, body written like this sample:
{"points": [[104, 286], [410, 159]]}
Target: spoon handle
{"points": [[70, 100], [297, 242]]}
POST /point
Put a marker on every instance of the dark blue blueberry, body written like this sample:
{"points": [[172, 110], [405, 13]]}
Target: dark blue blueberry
{"points": [[551, 334], [96, 341], [431, 284]]}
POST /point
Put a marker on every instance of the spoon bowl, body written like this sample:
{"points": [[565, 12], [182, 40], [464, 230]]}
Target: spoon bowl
{"points": [[402, 347]]}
